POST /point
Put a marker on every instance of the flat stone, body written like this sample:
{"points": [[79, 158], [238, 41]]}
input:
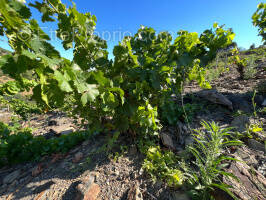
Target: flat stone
{"points": [[189, 141], [240, 123], [86, 143], [254, 144], [11, 177], [167, 140], [67, 132], [215, 97], [37, 170], [247, 155], [181, 132], [179, 196], [264, 103], [89, 192], [242, 104], [62, 130], [251, 184], [133, 150]]}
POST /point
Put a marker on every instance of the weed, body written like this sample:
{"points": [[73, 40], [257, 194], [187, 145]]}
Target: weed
{"points": [[20, 107], [255, 128], [240, 62], [254, 104], [252, 131], [215, 72], [250, 69], [204, 174], [163, 165], [262, 110], [116, 156], [111, 141], [218, 67], [238, 113], [19, 145]]}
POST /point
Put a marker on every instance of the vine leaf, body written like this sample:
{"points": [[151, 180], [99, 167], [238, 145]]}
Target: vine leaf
{"points": [[90, 95], [63, 81]]}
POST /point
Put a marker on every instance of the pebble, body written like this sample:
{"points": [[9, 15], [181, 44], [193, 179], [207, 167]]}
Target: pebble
{"points": [[88, 192], [77, 157], [116, 173]]}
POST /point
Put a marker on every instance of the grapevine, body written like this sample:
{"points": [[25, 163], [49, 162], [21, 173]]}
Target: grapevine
{"points": [[147, 68], [259, 20]]}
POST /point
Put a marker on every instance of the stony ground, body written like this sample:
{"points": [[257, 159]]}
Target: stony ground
{"points": [[57, 176], [86, 171]]}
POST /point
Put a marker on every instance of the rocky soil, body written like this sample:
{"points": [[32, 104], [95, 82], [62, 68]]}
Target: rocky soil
{"points": [[86, 173]]}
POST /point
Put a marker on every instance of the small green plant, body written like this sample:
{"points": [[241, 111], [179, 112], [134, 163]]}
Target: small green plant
{"points": [[255, 128], [116, 156], [22, 108], [252, 131], [241, 63], [215, 72], [19, 145], [250, 69], [218, 67], [14, 87], [254, 103], [243, 135], [163, 165], [204, 175], [262, 110], [238, 113]]}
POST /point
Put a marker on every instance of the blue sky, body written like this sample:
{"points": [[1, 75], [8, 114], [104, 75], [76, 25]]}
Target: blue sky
{"points": [[120, 17]]}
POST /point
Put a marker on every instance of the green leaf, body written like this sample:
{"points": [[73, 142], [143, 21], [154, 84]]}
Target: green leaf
{"points": [[21, 9], [90, 95], [63, 81], [99, 77]]}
